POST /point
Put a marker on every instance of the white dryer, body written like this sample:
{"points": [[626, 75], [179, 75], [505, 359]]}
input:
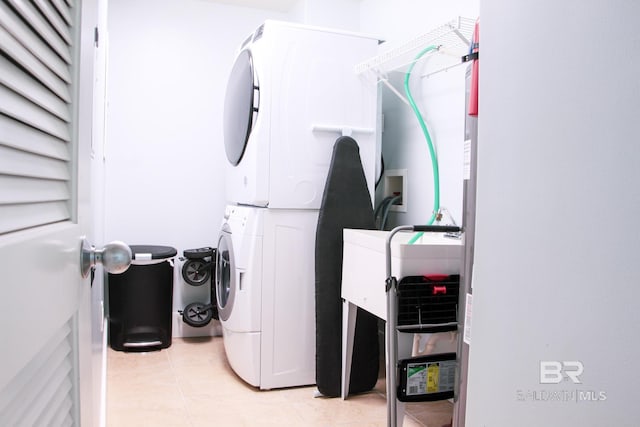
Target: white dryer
{"points": [[266, 294], [291, 93]]}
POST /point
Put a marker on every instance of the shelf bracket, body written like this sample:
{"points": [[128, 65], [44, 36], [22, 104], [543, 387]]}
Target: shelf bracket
{"points": [[383, 78]]}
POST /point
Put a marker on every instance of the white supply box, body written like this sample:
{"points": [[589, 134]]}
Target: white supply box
{"points": [[364, 263]]}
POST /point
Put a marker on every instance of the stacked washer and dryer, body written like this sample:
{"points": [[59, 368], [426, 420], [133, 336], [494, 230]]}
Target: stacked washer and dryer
{"points": [[291, 93]]}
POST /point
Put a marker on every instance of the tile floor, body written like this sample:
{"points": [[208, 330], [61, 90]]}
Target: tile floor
{"points": [[191, 384]]}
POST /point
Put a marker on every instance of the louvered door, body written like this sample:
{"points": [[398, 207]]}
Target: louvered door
{"points": [[45, 130]]}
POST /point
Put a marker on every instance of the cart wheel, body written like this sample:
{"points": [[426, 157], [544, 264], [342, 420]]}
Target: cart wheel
{"points": [[197, 314], [196, 272]]}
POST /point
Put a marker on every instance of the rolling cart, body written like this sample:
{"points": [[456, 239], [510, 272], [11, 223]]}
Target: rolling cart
{"points": [[199, 268], [418, 304]]}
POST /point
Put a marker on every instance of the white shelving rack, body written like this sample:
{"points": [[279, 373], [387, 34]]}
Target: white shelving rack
{"points": [[452, 39]]}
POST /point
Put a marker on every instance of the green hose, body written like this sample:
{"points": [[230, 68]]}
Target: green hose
{"points": [[425, 131]]}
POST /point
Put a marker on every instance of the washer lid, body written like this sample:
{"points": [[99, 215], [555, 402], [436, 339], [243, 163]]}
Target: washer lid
{"points": [[240, 107]]}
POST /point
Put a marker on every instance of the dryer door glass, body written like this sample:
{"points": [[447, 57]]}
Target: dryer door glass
{"points": [[240, 107], [225, 276]]}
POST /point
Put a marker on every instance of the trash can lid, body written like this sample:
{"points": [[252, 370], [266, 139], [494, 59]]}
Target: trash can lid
{"points": [[149, 252]]}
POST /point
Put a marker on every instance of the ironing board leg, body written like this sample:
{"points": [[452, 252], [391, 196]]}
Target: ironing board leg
{"points": [[349, 312]]}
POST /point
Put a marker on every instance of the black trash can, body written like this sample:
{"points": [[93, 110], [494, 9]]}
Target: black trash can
{"points": [[141, 299]]}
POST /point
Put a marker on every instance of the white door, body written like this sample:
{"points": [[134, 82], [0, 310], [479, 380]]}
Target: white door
{"points": [[45, 130]]}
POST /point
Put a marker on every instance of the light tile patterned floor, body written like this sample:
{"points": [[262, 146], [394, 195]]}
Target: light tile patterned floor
{"points": [[191, 384]]}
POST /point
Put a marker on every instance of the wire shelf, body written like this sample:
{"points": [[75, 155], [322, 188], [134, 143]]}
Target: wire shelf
{"points": [[452, 38]]}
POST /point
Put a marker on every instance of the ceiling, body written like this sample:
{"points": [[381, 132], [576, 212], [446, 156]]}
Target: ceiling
{"points": [[278, 5]]}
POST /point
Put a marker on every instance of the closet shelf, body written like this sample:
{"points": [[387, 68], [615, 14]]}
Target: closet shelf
{"points": [[452, 38]]}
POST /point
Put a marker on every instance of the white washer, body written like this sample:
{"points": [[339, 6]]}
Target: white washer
{"points": [[266, 294], [291, 93]]}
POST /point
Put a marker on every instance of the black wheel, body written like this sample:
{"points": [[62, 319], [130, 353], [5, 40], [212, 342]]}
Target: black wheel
{"points": [[196, 271], [197, 314]]}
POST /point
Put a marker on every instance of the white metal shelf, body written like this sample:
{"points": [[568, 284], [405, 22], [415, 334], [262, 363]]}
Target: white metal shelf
{"points": [[452, 38]]}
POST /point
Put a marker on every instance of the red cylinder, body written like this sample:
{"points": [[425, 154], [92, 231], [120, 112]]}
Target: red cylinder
{"points": [[475, 65]]}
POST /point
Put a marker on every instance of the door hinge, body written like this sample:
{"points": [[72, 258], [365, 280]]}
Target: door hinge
{"points": [[96, 36]]}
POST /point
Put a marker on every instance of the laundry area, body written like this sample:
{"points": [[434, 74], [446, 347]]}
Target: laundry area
{"points": [[321, 212], [290, 130]]}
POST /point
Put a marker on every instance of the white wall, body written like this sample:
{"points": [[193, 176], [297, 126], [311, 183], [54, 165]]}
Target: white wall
{"points": [[440, 98], [168, 66], [342, 14], [556, 268]]}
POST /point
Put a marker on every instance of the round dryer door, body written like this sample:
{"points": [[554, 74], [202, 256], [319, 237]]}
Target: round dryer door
{"points": [[225, 274], [240, 107]]}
